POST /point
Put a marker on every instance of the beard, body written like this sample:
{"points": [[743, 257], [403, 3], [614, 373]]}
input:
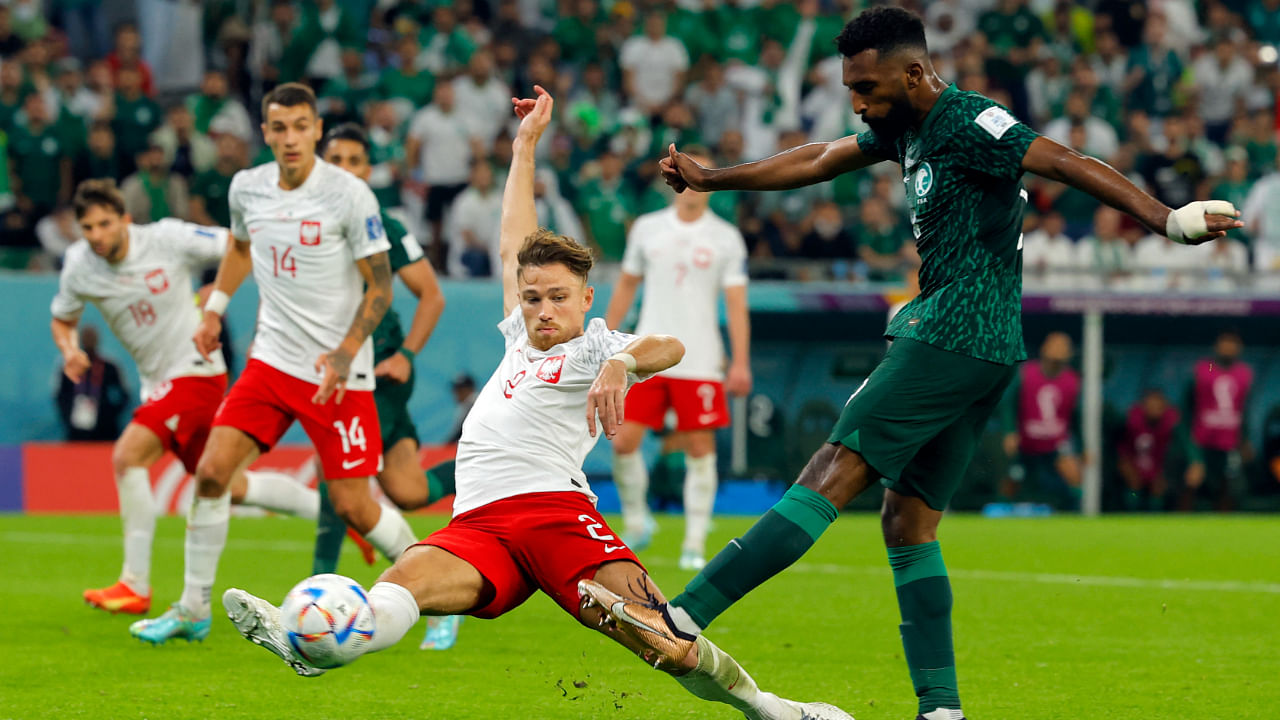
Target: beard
{"points": [[899, 118]]}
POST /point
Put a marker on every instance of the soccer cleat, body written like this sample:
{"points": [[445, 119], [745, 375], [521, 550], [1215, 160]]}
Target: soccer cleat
{"points": [[176, 623], [642, 623], [638, 541], [819, 711], [442, 632], [692, 560], [366, 550], [119, 598], [259, 622], [942, 714]]}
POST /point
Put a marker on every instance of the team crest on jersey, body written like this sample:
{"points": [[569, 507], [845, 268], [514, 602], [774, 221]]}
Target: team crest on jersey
{"points": [[549, 370], [373, 227], [702, 258], [310, 234], [924, 179], [157, 281]]}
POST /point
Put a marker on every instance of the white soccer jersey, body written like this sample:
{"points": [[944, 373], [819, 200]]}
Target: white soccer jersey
{"points": [[685, 266], [527, 431], [147, 298], [305, 243]]}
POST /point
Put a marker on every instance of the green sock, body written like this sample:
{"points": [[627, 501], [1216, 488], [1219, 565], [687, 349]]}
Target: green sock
{"points": [[776, 541], [924, 598], [330, 531], [440, 481]]}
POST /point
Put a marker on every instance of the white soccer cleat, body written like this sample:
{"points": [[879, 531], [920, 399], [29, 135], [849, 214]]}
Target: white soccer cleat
{"points": [[259, 622], [692, 560], [819, 711]]}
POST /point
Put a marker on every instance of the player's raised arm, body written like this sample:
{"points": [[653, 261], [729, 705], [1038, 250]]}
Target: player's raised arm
{"points": [[647, 355], [519, 217], [1192, 224], [804, 165]]}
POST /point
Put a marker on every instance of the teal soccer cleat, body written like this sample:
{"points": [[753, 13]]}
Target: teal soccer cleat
{"points": [[176, 623], [442, 632]]}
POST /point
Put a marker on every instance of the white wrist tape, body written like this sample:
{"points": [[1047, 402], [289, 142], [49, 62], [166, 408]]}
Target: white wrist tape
{"points": [[626, 359], [217, 302], [1188, 222]]}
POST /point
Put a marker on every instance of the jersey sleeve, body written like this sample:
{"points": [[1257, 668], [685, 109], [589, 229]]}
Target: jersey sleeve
{"points": [[599, 344], [633, 254], [989, 140], [238, 229], [68, 303], [512, 327], [734, 272], [364, 233], [871, 144], [199, 245], [405, 249]]}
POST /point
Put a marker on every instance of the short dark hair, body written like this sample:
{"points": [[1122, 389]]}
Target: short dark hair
{"points": [[290, 94], [544, 247], [883, 29], [99, 191], [346, 131]]}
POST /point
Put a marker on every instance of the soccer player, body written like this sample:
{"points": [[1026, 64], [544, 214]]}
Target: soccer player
{"points": [[312, 235], [401, 477], [139, 277], [525, 518], [685, 255], [913, 424]]}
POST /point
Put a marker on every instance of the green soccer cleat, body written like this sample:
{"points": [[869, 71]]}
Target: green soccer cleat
{"points": [[442, 632], [176, 623], [259, 622]]}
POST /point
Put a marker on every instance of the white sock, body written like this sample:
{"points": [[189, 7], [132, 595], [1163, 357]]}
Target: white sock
{"points": [[394, 611], [719, 678], [681, 620], [944, 714], [632, 480], [699, 498], [207, 524], [391, 534], [280, 493], [138, 516]]}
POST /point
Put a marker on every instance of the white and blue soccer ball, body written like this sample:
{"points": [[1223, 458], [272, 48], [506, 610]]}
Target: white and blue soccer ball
{"points": [[328, 620]]}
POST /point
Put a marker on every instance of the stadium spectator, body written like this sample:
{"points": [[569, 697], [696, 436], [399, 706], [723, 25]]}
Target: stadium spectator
{"points": [[10, 42], [74, 97], [472, 230], [1218, 398], [187, 151], [41, 167], [1099, 137], [1104, 257], [1222, 80], [1048, 256], [85, 26], [155, 192], [325, 28], [653, 66], [1155, 70], [1261, 215], [1175, 172], [483, 100], [214, 110], [440, 147], [463, 389], [1041, 421], [12, 92], [1153, 436], [127, 55], [1264, 19], [90, 409], [828, 239], [714, 103], [882, 242], [344, 97], [136, 117], [386, 154], [446, 46], [210, 189], [403, 82], [99, 158], [56, 232], [607, 207], [268, 43]]}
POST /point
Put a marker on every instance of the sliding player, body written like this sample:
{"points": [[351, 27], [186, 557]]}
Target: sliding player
{"points": [[312, 236], [912, 426], [525, 518], [139, 277]]}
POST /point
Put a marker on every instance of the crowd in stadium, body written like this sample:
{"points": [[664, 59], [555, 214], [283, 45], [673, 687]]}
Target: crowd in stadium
{"points": [[1180, 96]]}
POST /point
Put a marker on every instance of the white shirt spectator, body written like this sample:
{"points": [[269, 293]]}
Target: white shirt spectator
{"points": [[1048, 261], [1104, 264], [1221, 266], [445, 155], [1163, 265], [1261, 215], [655, 65], [485, 107], [326, 60], [1100, 139], [1221, 87], [479, 215]]}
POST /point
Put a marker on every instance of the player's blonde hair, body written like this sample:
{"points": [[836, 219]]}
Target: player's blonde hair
{"points": [[544, 247]]}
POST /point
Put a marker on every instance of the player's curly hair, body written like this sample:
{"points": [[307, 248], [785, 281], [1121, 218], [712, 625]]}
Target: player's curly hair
{"points": [[97, 191], [883, 29], [544, 247]]}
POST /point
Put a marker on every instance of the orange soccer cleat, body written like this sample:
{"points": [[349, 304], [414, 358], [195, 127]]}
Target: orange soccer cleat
{"points": [[119, 598]]}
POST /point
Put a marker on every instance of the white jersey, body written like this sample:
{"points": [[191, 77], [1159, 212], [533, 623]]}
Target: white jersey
{"points": [[147, 298], [527, 431], [685, 266], [305, 243]]}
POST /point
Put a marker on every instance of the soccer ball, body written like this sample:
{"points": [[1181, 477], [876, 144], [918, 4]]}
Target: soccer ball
{"points": [[328, 619]]}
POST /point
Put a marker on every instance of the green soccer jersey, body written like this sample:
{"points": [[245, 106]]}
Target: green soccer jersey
{"points": [[962, 171], [215, 188], [389, 336]]}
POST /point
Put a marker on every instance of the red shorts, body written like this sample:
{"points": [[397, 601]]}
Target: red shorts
{"points": [[699, 404], [539, 541], [180, 412], [264, 402]]}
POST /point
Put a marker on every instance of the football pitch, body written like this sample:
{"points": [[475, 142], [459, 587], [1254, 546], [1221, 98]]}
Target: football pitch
{"points": [[1062, 618]]}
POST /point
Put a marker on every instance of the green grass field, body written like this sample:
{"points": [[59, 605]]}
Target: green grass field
{"points": [[1055, 618]]}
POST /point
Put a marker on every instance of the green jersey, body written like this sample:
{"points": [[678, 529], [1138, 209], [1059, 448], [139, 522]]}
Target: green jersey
{"points": [[962, 171], [215, 188], [388, 336]]}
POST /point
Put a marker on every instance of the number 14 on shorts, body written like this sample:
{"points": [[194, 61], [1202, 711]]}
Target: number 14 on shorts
{"points": [[352, 435]]}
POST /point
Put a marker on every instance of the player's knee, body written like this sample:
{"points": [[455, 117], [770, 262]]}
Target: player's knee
{"points": [[348, 502], [124, 455], [213, 475]]}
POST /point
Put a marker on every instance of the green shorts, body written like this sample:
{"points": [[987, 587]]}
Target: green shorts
{"points": [[392, 399], [918, 417]]}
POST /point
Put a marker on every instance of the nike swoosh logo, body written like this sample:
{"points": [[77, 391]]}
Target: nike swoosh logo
{"points": [[348, 464], [611, 548], [619, 610]]}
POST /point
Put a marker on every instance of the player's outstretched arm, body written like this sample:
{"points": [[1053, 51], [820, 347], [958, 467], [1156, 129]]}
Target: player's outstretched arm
{"points": [[519, 217], [738, 381], [235, 266], [1193, 224], [74, 360], [336, 364], [421, 280], [804, 165], [647, 355]]}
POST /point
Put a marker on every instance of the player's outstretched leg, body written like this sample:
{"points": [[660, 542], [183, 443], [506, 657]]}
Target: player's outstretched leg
{"points": [[705, 670], [259, 622], [382, 525], [276, 492]]}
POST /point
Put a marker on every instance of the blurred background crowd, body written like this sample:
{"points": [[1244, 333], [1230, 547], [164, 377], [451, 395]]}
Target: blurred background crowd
{"points": [[163, 95]]}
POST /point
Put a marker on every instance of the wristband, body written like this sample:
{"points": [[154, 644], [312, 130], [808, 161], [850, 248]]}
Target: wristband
{"points": [[626, 359], [1188, 222], [407, 353], [217, 302]]}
